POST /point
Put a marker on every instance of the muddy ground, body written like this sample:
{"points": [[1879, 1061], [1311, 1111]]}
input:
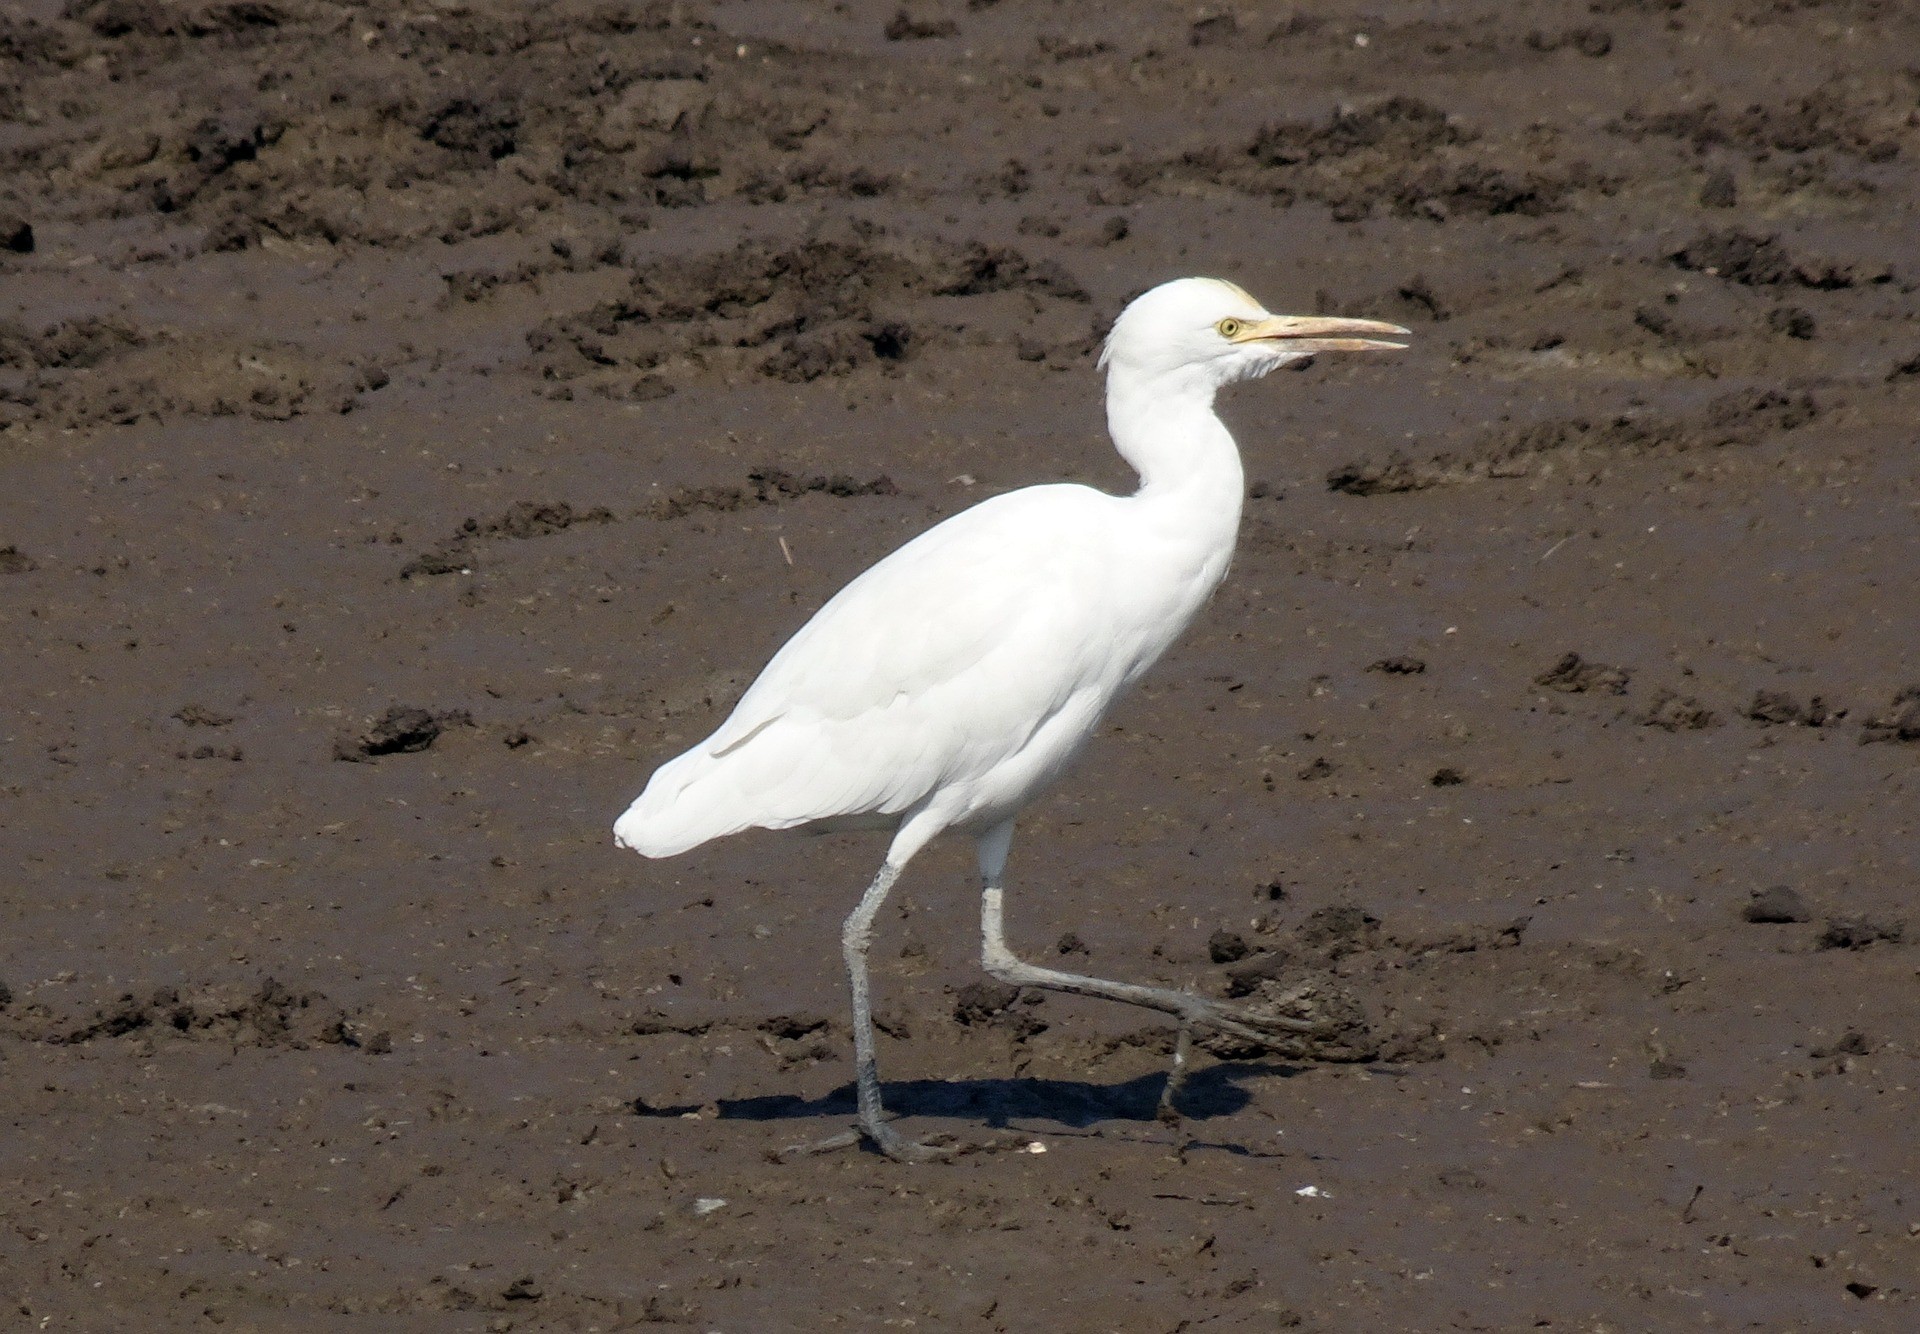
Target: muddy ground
{"points": [[418, 420]]}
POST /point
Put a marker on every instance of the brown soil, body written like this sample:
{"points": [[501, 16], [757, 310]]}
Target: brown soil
{"points": [[420, 420]]}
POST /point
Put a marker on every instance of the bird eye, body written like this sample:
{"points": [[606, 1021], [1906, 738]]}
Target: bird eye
{"points": [[1228, 327]]}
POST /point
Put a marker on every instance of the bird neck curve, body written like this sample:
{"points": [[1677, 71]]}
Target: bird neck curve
{"points": [[1165, 427]]}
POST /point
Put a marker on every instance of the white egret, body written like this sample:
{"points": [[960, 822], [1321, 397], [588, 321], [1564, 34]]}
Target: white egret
{"points": [[953, 681]]}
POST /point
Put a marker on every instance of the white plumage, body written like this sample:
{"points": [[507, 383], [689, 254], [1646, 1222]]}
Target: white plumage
{"points": [[950, 683], [968, 666]]}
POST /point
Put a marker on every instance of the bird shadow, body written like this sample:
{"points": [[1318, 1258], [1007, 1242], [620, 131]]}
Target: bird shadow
{"points": [[1075, 1103]]}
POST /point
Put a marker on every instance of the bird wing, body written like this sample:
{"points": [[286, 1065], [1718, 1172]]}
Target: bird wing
{"points": [[938, 662]]}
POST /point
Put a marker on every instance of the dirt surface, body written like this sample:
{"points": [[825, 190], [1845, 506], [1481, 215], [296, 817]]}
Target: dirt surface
{"points": [[420, 420]]}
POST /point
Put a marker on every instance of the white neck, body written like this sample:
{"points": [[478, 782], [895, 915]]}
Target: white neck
{"points": [[1164, 426]]}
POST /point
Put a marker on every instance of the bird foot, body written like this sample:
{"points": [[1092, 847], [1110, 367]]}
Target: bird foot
{"points": [[903, 1150], [1258, 1022], [1167, 1113], [884, 1138], [1314, 1017], [846, 1139], [1307, 1018], [936, 1149]]}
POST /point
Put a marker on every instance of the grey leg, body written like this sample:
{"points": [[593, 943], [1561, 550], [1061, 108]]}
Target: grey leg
{"points": [[1191, 1010], [1176, 1077], [855, 938]]}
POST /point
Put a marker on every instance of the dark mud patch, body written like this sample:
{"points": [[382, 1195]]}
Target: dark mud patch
{"points": [[269, 1015], [97, 371], [1401, 156], [1755, 260], [449, 126], [1833, 118], [821, 308]]}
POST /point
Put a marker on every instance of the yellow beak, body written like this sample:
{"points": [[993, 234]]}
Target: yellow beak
{"points": [[1322, 333]]}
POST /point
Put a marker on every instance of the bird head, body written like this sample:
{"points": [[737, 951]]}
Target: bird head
{"points": [[1209, 328]]}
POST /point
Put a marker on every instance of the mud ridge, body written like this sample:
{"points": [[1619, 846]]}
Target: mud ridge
{"points": [[821, 308], [1734, 419]]}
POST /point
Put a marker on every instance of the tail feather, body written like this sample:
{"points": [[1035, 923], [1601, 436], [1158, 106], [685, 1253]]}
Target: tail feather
{"points": [[674, 815], [781, 775]]}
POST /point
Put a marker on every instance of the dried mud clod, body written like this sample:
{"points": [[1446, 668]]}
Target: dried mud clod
{"points": [[1838, 1058], [16, 234], [1574, 675], [15, 561], [1470, 939], [1246, 975], [1594, 43], [522, 520], [1776, 905], [1900, 722], [1226, 947], [1851, 1043], [1753, 260], [799, 1039], [401, 730], [1305, 972], [1857, 933], [1776, 708], [1401, 665], [1339, 929], [906, 27], [1328, 934], [1793, 322], [1673, 712], [999, 1006]]}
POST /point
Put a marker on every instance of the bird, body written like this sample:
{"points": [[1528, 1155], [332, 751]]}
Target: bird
{"points": [[954, 681]]}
